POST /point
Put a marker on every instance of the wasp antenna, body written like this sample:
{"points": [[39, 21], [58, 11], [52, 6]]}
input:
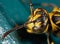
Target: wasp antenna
{"points": [[48, 39], [30, 3], [44, 4], [5, 34], [8, 32], [31, 7], [50, 4]]}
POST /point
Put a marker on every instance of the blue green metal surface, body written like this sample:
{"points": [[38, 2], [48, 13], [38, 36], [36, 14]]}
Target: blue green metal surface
{"points": [[15, 12]]}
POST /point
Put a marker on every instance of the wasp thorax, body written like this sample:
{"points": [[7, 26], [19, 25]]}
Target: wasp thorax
{"points": [[39, 22], [55, 20]]}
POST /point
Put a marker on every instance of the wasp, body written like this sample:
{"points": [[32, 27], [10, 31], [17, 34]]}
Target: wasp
{"points": [[40, 21]]}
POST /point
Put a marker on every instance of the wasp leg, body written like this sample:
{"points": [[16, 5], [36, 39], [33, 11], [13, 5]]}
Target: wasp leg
{"points": [[57, 33], [49, 41]]}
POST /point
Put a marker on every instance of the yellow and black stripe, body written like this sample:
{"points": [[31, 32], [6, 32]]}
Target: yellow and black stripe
{"points": [[39, 22]]}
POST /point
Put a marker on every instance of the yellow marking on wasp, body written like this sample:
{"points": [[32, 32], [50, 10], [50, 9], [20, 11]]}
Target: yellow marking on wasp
{"points": [[57, 15], [52, 24], [30, 26], [46, 12], [32, 18], [46, 20], [55, 8], [57, 22], [36, 17], [36, 10], [46, 28], [29, 31], [38, 24], [52, 42]]}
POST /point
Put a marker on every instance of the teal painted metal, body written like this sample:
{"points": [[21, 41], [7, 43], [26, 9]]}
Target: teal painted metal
{"points": [[17, 13]]}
